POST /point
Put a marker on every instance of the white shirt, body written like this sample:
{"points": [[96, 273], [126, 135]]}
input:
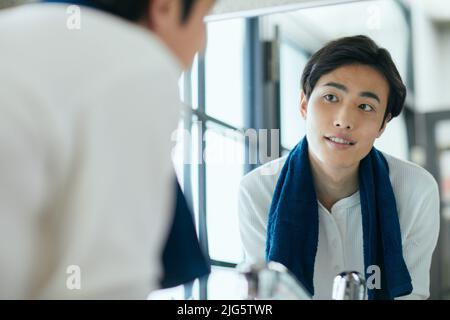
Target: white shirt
{"points": [[340, 246], [86, 177]]}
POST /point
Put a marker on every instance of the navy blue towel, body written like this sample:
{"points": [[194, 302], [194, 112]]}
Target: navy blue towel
{"points": [[293, 226], [183, 259]]}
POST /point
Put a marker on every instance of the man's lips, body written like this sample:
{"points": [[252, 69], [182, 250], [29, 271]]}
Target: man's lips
{"points": [[340, 139]]}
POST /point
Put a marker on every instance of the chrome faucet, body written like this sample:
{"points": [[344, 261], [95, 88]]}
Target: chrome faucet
{"points": [[349, 285], [272, 280]]}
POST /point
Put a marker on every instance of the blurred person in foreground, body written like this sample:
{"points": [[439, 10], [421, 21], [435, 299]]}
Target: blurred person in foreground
{"points": [[87, 108]]}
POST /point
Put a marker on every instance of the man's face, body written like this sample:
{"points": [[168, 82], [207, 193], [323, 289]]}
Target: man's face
{"points": [[183, 38], [344, 115]]}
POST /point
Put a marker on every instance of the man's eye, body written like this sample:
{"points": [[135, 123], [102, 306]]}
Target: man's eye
{"points": [[330, 97], [366, 107]]}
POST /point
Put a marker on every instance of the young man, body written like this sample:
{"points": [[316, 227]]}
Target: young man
{"points": [[338, 204], [88, 102]]}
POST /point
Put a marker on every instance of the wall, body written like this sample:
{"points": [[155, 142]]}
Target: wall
{"points": [[431, 40]]}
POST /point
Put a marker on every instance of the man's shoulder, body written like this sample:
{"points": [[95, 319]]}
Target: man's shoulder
{"points": [[409, 178], [257, 188], [265, 176], [94, 39]]}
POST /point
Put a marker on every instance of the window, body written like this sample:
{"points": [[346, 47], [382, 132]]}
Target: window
{"points": [[224, 169], [223, 149], [224, 79], [292, 61], [210, 148]]}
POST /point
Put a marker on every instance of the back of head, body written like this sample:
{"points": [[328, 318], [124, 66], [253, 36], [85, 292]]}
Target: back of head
{"points": [[356, 50], [134, 10]]}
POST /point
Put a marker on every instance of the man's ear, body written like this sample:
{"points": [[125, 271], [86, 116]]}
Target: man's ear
{"points": [[303, 104], [162, 14], [388, 118]]}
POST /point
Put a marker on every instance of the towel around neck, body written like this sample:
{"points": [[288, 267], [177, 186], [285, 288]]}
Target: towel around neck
{"points": [[293, 224]]}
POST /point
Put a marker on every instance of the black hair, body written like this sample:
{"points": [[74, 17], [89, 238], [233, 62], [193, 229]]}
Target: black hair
{"points": [[134, 10], [356, 50]]}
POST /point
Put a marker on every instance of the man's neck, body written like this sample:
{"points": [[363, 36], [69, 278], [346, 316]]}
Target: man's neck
{"points": [[333, 184]]}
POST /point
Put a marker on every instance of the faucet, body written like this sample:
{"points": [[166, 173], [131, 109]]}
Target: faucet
{"points": [[272, 280], [349, 285]]}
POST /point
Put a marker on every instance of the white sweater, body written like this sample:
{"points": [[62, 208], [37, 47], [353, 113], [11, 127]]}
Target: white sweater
{"points": [[86, 177], [340, 246]]}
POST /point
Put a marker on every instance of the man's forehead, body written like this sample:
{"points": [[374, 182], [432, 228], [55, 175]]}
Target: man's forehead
{"points": [[357, 78]]}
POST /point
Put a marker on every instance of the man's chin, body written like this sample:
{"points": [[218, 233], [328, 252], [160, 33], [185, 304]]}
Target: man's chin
{"points": [[339, 161]]}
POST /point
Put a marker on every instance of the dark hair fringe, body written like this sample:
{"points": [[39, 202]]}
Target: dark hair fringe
{"points": [[134, 10]]}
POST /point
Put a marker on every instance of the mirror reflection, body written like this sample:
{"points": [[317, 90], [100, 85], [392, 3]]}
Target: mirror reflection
{"points": [[261, 107]]}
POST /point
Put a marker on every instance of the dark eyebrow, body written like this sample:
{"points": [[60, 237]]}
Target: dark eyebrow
{"points": [[336, 85], [367, 94]]}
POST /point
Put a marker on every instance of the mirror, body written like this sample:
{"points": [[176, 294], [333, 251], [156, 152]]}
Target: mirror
{"points": [[242, 98]]}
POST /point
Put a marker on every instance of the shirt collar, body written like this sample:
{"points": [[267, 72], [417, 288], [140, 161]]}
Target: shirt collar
{"points": [[343, 204]]}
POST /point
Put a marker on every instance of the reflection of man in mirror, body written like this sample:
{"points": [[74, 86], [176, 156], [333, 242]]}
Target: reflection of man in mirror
{"points": [[338, 203]]}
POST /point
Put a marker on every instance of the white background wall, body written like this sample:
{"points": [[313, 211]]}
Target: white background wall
{"points": [[431, 30]]}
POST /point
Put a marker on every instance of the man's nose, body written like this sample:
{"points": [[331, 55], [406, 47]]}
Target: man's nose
{"points": [[343, 120]]}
